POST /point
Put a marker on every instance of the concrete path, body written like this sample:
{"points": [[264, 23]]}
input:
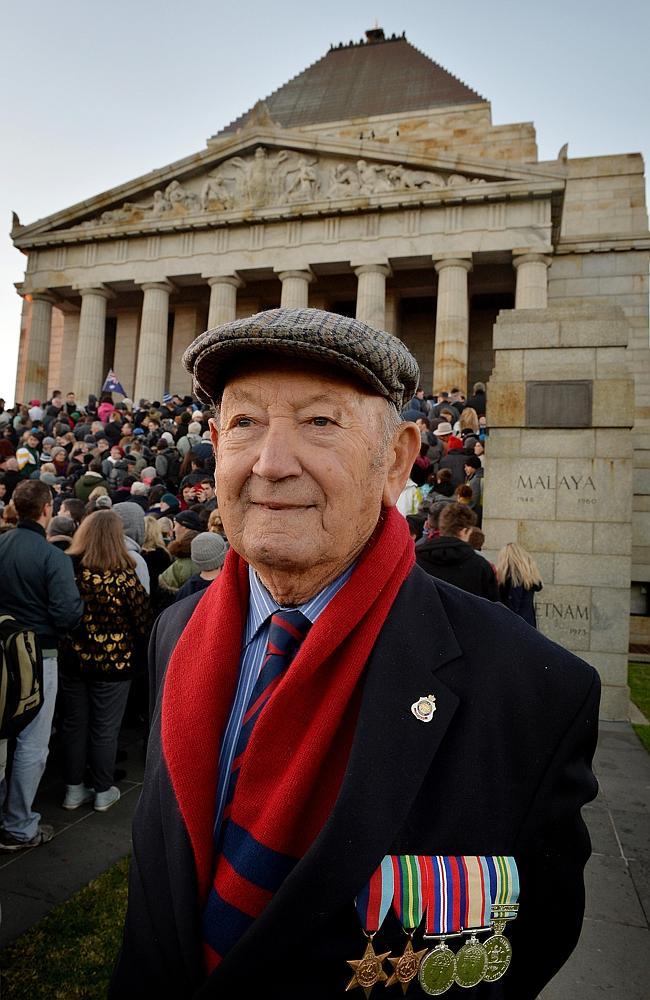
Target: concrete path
{"points": [[612, 958]]}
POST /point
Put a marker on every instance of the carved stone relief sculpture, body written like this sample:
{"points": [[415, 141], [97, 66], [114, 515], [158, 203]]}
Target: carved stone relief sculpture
{"points": [[279, 177]]}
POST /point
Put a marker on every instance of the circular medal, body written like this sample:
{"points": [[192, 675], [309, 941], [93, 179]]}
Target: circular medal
{"points": [[499, 952], [471, 963], [437, 970]]}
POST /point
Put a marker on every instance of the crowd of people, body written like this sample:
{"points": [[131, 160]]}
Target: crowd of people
{"points": [[125, 497]]}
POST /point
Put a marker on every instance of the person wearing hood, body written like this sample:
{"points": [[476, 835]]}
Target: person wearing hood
{"points": [[450, 557], [189, 440], [60, 531], [132, 517]]}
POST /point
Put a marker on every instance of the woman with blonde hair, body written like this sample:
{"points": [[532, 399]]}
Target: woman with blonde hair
{"points": [[99, 659], [154, 552], [519, 580]]}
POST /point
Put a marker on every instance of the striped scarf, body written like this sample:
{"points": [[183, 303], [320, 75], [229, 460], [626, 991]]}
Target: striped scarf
{"points": [[293, 764]]}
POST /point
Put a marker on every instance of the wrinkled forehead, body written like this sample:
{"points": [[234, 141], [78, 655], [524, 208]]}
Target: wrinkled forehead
{"points": [[266, 378]]}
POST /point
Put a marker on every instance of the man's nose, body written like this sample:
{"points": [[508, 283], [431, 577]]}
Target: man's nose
{"points": [[278, 455]]}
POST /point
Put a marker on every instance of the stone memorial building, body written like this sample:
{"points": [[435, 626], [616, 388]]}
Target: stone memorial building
{"points": [[374, 183]]}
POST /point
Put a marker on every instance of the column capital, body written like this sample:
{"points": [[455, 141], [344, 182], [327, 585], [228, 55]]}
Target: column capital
{"points": [[303, 274], [42, 295], [224, 279], [527, 257], [379, 268], [440, 263], [161, 286], [101, 290]]}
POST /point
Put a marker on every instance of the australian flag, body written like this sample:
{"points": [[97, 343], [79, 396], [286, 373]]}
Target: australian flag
{"points": [[112, 385]]}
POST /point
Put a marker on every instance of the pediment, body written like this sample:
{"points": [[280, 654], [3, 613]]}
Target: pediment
{"points": [[274, 172]]}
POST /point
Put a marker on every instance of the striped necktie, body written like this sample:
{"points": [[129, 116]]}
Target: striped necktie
{"points": [[286, 632]]}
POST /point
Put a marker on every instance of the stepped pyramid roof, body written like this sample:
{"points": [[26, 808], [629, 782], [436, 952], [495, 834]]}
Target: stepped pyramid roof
{"points": [[376, 76]]}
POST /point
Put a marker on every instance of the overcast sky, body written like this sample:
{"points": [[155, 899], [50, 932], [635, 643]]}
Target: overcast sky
{"points": [[95, 94]]}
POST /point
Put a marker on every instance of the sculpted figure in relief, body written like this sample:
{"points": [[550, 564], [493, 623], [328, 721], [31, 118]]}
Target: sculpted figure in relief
{"points": [[344, 183], [252, 182], [373, 179], [304, 183], [179, 198], [215, 193], [402, 177]]}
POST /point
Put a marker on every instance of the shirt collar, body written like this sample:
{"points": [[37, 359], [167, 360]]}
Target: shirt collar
{"points": [[262, 605]]}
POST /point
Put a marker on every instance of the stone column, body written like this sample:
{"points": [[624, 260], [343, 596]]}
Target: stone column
{"points": [[38, 346], [88, 375], [295, 289], [452, 324], [532, 280], [223, 299], [152, 349], [371, 294]]}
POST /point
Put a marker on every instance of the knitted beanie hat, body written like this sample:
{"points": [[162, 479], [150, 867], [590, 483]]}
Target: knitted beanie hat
{"points": [[132, 516], [209, 550]]}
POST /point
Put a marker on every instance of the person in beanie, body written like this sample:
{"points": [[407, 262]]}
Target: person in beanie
{"points": [[208, 553]]}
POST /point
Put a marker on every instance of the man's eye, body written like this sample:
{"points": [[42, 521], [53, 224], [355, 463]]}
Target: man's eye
{"points": [[321, 421], [243, 422]]}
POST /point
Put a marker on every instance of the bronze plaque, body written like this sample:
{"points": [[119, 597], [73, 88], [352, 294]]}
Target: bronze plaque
{"points": [[559, 404]]}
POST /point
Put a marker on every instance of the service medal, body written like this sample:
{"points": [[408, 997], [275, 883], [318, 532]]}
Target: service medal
{"points": [[437, 970], [471, 963], [368, 970], [409, 880], [372, 905], [499, 952]]}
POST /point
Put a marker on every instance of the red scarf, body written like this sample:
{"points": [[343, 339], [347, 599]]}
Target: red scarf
{"points": [[303, 737]]}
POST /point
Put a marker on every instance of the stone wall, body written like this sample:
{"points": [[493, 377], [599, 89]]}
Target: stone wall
{"points": [[565, 493]]}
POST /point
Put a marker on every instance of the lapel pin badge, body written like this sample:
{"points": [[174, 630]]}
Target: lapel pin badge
{"points": [[424, 708]]}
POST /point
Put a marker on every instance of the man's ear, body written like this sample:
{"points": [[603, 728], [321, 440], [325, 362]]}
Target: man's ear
{"points": [[403, 451], [214, 433]]}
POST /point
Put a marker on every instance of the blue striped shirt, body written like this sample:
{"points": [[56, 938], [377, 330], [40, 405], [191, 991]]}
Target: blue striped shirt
{"points": [[260, 609]]}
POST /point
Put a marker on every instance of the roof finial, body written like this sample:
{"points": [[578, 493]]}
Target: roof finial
{"points": [[375, 34]]}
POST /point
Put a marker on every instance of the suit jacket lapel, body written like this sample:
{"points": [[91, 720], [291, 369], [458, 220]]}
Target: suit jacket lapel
{"points": [[391, 753]]}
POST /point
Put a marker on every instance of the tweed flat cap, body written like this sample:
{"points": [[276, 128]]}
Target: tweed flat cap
{"points": [[377, 358]]}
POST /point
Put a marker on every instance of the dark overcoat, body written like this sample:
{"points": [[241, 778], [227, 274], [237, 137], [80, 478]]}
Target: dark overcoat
{"points": [[503, 768]]}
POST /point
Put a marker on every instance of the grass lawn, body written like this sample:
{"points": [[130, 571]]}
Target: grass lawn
{"points": [[639, 681], [69, 954]]}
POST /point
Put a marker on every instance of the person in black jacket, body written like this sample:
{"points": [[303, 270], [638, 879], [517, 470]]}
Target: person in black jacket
{"points": [[248, 854], [450, 557], [39, 591], [519, 581]]}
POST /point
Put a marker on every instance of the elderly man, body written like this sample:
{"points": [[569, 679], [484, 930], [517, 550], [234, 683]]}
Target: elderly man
{"points": [[325, 705]]}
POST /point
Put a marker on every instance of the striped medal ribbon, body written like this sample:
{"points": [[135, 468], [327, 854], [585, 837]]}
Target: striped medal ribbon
{"points": [[442, 920], [372, 904], [410, 882], [503, 876], [472, 959]]}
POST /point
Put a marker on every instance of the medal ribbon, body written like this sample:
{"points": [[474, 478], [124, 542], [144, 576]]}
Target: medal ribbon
{"points": [[408, 898], [504, 883], [477, 903], [443, 895], [373, 902]]}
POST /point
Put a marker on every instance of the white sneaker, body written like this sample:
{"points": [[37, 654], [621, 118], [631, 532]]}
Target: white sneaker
{"points": [[104, 800], [76, 795]]}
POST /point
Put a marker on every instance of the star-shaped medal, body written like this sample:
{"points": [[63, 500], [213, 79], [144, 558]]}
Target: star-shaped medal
{"points": [[405, 968], [368, 970]]}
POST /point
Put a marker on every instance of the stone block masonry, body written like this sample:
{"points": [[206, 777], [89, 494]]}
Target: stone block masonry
{"points": [[565, 493]]}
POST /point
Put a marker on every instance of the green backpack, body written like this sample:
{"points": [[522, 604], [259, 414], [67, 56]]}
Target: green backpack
{"points": [[21, 677]]}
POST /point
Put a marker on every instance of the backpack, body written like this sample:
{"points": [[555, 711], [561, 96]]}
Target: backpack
{"points": [[21, 677]]}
